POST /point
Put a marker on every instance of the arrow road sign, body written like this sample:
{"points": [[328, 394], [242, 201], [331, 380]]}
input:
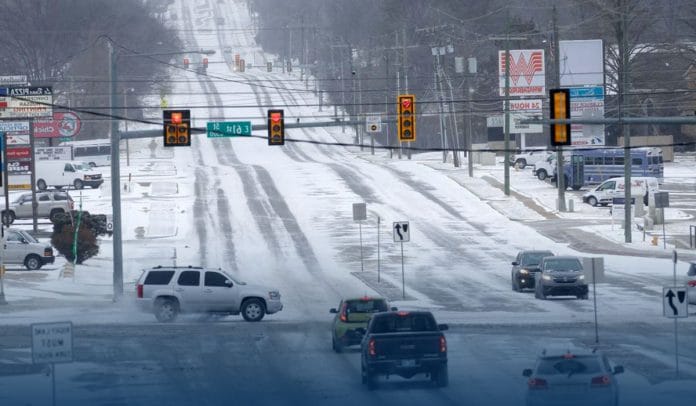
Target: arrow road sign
{"points": [[402, 232], [674, 303]]}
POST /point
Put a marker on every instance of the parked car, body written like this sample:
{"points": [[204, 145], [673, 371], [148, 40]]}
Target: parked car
{"points": [[606, 191], [544, 168], [66, 174], [691, 284], [50, 204], [22, 248], [404, 344], [524, 267], [523, 159], [167, 291], [582, 377], [353, 314], [560, 276]]}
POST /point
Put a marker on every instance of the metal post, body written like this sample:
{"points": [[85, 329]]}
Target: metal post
{"points": [[403, 278], [125, 114], [560, 175], [378, 257], [53, 384], [470, 138], [664, 236], [32, 177], [594, 294], [115, 179], [3, 141], [362, 266], [676, 346], [507, 112]]}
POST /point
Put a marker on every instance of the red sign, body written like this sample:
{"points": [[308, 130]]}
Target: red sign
{"points": [[62, 125], [18, 152]]}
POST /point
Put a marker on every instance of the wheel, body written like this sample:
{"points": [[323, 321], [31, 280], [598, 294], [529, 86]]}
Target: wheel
{"points": [[539, 293], [592, 201], [521, 163], [253, 310], [32, 262], [541, 174], [92, 164], [440, 377], [371, 380], [584, 296], [166, 310], [78, 184], [336, 346], [645, 199], [515, 284], [566, 182], [363, 374], [577, 187], [8, 218], [41, 184], [53, 216]]}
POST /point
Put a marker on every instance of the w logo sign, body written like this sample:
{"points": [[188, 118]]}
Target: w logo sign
{"points": [[527, 72]]}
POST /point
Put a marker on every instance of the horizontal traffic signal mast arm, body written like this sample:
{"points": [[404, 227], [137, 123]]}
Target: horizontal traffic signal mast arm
{"points": [[615, 120]]}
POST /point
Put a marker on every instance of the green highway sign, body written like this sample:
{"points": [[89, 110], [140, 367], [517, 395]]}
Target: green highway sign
{"points": [[229, 129]]}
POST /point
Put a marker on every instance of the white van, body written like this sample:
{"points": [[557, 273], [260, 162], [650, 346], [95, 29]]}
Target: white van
{"points": [[66, 174], [615, 187]]}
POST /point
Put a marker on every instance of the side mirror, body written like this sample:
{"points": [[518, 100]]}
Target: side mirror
{"points": [[692, 269], [23, 241], [442, 327], [527, 372], [618, 370], [394, 309], [515, 263], [334, 311], [228, 283], [361, 331]]}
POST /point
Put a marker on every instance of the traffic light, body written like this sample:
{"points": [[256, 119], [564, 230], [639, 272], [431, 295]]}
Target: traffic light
{"points": [[276, 127], [186, 63], [560, 109], [177, 128], [406, 118], [205, 63]]}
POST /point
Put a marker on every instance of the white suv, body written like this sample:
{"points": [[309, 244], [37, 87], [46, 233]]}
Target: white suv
{"points": [[166, 291]]}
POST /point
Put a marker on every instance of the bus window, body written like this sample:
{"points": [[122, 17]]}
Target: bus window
{"points": [[598, 160], [618, 160]]}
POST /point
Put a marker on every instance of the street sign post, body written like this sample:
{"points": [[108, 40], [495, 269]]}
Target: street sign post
{"points": [[360, 214], [52, 343], [219, 129], [402, 234], [675, 306]]}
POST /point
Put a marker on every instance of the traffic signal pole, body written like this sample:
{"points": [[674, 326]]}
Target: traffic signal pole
{"points": [[560, 176], [115, 179]]}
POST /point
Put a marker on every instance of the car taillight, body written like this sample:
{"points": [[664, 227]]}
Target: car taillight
{"points": [[603, 380], [371, 348], [139, 291], [443, 344], [537, 383], [343, 316], [692, 284], [48, 252]]}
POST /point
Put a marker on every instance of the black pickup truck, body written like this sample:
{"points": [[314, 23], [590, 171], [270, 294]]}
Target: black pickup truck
{"points": [[404, 344]]}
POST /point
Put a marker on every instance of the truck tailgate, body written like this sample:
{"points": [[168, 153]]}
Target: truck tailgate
{"points": [[407, 345]]}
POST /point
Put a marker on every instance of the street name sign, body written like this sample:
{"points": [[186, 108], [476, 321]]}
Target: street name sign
{"points": [[51, 343], [218, 129]]}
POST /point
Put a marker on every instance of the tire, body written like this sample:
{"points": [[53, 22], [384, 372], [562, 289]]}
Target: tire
{"points": [[337, 347], [78, 184], [441, 377], [521, 163], [541, 174], [166, 310], [592, 201], [41, 184], [55, 213], [93, 165], [584, 296], [646, 200], [32, 262], [539, 293], [8, 218], [253, 310], [363, 374], [566, 181]]}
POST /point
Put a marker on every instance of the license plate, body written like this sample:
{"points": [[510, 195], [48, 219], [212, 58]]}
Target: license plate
{"points": [[408, 362]]}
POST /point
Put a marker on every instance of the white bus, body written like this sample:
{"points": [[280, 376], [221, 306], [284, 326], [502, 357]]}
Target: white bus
{"points": [[95, 152]]}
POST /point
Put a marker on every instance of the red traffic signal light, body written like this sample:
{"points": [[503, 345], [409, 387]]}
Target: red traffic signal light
{"points": [[177, 128], [276, 127], [560, 109], [205, 62], [406, 118], [186, 63]]}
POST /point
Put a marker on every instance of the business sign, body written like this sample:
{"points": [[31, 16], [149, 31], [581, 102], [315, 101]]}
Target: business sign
{"points": [[25, 102], [66, 124], [14, 126], [13, 80], [524, 110], [23, 139], [582, 62], [53, 153], [51, 343], [587, 102], [19, 167], [18, 152], [527, 72]]}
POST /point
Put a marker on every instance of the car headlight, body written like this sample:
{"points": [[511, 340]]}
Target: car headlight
{"points": [[581, 277], [524, 271], [274, 295], [546, 277]]}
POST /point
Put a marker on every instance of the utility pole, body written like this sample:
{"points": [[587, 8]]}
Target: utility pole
{"points": [[560, 176], [625, 129], [115, 179], [507, 108]]}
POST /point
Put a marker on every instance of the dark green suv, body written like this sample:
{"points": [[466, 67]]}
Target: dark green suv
{"points": [[352, 317]]}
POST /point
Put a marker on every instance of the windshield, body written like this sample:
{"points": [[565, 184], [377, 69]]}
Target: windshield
{"points": [[394, 322], [534, 258], [565, 365], [556, 264], [27, 236], [366, 306]]}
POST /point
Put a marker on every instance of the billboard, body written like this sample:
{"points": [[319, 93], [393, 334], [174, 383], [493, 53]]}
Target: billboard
{"points": [[581, 62], [25, 102], [527, 72], [587, 102], [60, 125]]}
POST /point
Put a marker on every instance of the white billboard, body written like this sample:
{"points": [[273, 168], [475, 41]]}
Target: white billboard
{"points": [[581, 62], [587, 102], [527, 72]]}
